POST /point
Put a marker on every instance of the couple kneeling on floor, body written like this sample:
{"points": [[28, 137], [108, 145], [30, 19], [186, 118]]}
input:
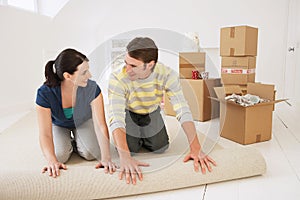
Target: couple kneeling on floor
{"points": [[71, 113]]}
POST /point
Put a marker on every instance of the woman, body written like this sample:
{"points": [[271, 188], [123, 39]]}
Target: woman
{"points": [[71, 114]]}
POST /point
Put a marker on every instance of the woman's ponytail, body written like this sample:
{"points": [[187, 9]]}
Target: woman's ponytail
{"points": [[51, 76], [67, 61]]}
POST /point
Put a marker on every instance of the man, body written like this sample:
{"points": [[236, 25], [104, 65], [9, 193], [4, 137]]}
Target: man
{"points": [[135, 93]]}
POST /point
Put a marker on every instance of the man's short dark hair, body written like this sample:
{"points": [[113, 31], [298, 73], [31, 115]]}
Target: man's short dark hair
{"points": [[143, 49]]}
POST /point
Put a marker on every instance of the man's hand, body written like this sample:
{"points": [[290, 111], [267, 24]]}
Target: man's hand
{"points": [[53, 168], [130, 168], [200, 157]]}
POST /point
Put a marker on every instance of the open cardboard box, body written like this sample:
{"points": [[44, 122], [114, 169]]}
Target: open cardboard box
{"points": [[246, 125], [190, 61], [197, 93]]}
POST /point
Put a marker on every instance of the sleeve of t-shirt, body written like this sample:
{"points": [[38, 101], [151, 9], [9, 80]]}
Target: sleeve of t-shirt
{"points": [[175, 94], [117, 102], [98, 91], [41, 98]]}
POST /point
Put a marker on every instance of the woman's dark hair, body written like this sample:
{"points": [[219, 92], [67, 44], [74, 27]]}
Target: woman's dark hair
{"points": [[143, 48], [67, 61]]}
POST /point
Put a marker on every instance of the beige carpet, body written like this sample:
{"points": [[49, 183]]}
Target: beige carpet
{"points": [[22, 160]]}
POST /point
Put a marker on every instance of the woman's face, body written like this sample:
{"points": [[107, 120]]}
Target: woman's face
{"points": [[81, 76]]}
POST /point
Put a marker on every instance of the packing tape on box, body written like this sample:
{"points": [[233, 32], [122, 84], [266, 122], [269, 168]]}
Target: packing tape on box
{"points": [[232, 32], [237, 71], [231, 51]]}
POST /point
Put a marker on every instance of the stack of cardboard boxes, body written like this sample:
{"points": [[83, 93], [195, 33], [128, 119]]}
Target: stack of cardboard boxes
{"points": [[238, 50], [196, 91], [245, 125]]}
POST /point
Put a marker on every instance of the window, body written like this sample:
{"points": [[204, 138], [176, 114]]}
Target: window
{"points": [[48, 8], [118, 51], [23, 4]]}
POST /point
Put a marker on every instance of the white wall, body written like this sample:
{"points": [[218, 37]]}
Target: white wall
{"points": [[28, 40], [23, 37], [101, 20]]}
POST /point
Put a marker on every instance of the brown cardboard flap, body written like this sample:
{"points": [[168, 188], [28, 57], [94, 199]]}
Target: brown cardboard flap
{"points": [[222, 92], [259, 104], [214, 98], [269, 103], [264, 91], [192, 58], [229, 90], [224, 101]]}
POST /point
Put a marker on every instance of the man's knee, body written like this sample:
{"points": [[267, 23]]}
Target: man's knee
{"points": [[158, 147], [134, 143]]}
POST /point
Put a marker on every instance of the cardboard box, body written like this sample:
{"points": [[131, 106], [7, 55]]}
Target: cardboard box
{"points": [[229, 89], [238, 70], [232, 89], [186, 73], [238, 41], [247, 125], [242, 90], [197, 93], [189, 61]]}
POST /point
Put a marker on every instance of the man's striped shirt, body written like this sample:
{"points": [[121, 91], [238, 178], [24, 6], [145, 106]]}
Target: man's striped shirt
{"points": [[143, 96]]}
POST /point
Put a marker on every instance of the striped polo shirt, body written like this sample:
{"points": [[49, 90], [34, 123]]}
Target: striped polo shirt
{"points": [[143, 96]]}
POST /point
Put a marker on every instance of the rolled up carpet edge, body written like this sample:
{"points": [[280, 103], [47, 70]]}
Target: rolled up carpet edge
{"points": [[85, 182]]}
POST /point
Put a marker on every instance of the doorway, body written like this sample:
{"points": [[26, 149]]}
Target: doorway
{"points": [[292, 65]]}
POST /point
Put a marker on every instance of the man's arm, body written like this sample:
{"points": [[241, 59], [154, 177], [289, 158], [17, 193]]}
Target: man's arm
{"points": [[195, 149], [184, 116], [128, 165], [117, 104]]}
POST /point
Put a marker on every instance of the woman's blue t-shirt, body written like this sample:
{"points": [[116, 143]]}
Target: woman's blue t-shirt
{"points": [[50, 97]]}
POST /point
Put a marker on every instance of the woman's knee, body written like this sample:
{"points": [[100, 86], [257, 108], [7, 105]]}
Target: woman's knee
{"points": [[63, 154]]}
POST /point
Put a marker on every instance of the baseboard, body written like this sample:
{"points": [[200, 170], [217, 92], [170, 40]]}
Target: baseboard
{"points": [[8, 110]]}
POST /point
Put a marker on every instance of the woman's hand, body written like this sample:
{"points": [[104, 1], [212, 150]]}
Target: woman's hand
{"points": [[53, 168], [108, 166]]}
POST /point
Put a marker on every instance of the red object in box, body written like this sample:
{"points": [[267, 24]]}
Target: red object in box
{"points": [[195, 74]]}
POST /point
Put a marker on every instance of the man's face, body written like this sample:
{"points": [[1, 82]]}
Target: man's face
{"points": [[137, 69]]}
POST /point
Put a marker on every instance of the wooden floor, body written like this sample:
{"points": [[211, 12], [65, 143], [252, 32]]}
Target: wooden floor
{"points": [[282, 154]]}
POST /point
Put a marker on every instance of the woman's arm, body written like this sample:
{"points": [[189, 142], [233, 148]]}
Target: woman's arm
{"points": [[46, 141], [101, 130]]}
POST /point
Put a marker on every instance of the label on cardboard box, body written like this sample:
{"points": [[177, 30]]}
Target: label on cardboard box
{"points": [[237, 71]]}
